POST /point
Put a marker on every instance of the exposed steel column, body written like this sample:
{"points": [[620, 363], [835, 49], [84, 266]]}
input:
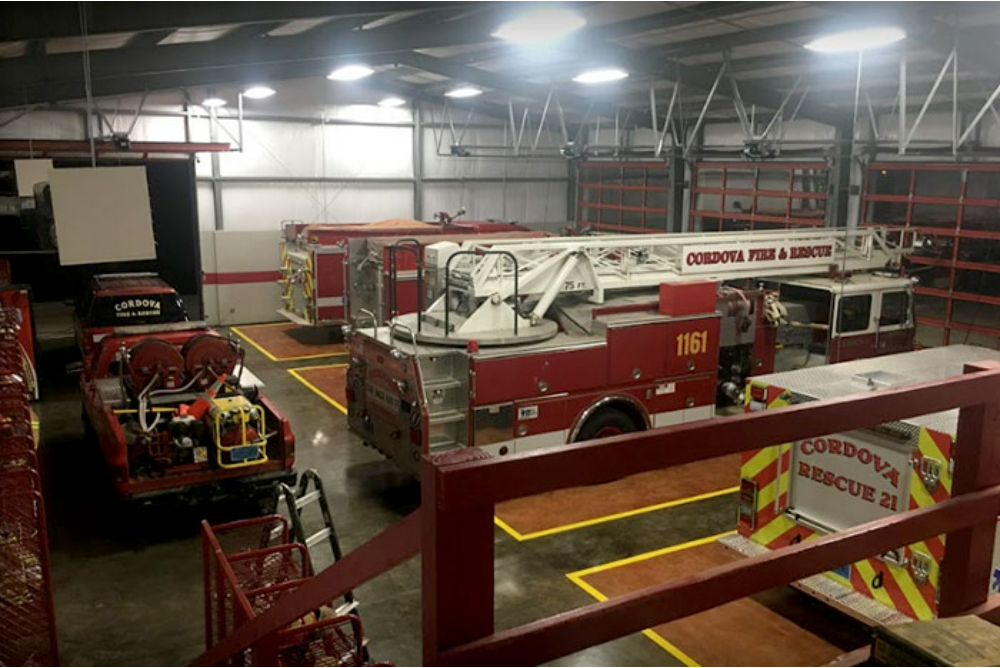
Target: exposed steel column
{"points": [[968, 560], [457, 563]]}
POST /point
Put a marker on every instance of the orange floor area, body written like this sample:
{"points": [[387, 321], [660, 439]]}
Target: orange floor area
{"points": [[328, 381], [284, 341], [756, 631], [567, 508]]}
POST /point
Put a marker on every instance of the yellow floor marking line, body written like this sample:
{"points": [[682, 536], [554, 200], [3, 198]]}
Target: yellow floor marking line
{"points": [[265, 353], [576, 577], [520, 537], [330, 400]]}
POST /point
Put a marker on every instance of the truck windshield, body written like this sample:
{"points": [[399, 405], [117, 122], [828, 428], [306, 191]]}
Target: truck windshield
{"points": [[804, 341]]}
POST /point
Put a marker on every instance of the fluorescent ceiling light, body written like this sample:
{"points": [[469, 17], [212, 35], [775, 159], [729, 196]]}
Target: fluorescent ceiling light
{"points": [[212, 102], [600, 76], [350, 73], [463, 91], [541, 25], [391, 102], [258, 92], [856, 40]]}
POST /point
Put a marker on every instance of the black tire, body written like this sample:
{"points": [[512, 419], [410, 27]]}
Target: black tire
{"points": [[606, 420]]}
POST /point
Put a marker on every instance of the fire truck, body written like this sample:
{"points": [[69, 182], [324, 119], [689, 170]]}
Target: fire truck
{"points": [[791, 492], [174, 412], [315, 266], [540, 342]]}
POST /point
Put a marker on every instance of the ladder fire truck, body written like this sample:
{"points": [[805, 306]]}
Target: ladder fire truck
{"points": [[539, 342]]}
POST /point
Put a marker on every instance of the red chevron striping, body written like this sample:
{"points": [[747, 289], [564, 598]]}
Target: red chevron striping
{"points": [[892, 589], [942, 441]]}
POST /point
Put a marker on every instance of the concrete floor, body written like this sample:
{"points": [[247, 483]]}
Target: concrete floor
{"points": [[128, 584]]}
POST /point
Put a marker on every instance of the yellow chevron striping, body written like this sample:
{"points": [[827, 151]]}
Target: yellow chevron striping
{"points": [[867, 574], [756, 464], [767, 533]]}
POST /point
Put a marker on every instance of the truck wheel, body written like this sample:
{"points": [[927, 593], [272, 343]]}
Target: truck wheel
{"points": [[607, 422]]}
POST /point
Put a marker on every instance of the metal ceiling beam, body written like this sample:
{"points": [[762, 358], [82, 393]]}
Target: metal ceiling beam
{"points": [[26, 20], [37, 78]]}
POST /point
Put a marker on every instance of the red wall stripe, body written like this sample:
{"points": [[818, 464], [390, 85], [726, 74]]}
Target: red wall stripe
{"points": [[236, 277]]}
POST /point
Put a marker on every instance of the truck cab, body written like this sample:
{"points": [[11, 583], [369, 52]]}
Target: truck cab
{"points": [[119, 300], [832, 320]]}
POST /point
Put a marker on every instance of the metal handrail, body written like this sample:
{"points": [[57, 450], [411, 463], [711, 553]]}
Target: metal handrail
{"points": [[410, 245], [447, 284]]}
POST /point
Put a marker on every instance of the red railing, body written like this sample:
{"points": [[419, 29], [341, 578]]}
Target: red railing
{"points": [[454, 528]]}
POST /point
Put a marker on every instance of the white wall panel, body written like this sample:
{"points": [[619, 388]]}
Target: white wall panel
{"points": [[262, 206], [44, 125], [522, 202], [448, 166], [366, 151], [273, 149], [153, 128], [206, 207]]}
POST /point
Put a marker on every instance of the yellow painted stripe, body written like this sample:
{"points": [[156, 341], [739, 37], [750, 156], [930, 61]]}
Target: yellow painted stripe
{"points": [[649, 555], [263, 351], [935, 567], [318, 391], [867, 574], [320, 366], [772, 530], [766, 496], [929, 448], [577, 579], [671, 648], [617, 516], [239, 333], [511, 531], [759, 462], [909, 588]]}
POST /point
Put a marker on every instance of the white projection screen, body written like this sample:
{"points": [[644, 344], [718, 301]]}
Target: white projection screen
{"points": [[102, 214], [30, 172]]}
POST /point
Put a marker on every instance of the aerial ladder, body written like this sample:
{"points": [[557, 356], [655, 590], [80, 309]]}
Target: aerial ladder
{"points": [[498, 292]]}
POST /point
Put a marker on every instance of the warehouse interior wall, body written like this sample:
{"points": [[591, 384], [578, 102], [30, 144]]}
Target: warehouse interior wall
{"points": [[321, 151]]}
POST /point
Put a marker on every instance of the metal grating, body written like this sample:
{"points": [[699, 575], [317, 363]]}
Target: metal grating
{"points": [[733, 196], [955, 208]]}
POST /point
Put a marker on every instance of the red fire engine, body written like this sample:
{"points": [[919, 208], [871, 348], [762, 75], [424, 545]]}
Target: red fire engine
{"points": [[315, 265], [173, 410], [539, 342]]}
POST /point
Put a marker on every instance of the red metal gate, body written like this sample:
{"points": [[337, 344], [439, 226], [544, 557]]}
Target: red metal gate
{"points": [[957, 209], [728, 196], [27, 619], [624, 196]]}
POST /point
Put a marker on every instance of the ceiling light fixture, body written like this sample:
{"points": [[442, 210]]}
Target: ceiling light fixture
{"points": [[540, 26], [601, 76], [350, 73], [857, 40], [258, 92], [391, 102], [463, 91], [213, 102]]}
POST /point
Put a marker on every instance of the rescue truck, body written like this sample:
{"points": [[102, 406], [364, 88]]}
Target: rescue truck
{"points": [[540, 342], [792, 492], [175, 413], [315, 268]]}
